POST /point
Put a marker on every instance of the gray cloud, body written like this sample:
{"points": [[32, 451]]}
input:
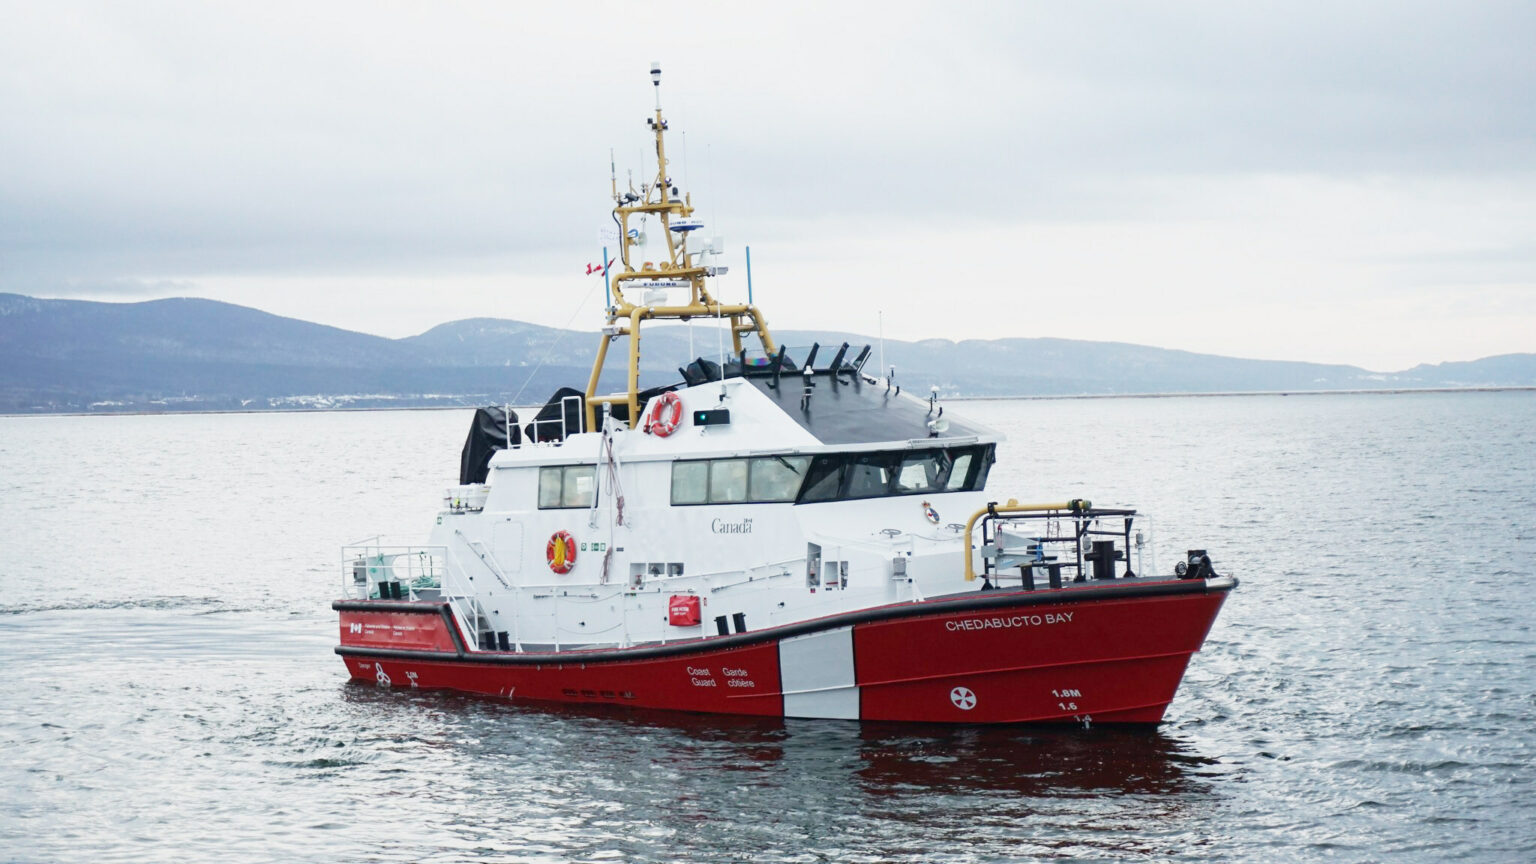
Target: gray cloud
{"points": [[153, 141]]}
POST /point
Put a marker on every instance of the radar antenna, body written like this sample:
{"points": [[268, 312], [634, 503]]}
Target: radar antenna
{"points": [[651, 283]]}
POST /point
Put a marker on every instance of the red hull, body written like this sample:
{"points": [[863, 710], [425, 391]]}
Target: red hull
{"points": [[1110, 654]]}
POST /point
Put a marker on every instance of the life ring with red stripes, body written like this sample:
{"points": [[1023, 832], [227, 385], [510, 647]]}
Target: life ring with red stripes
{"points": [[665, 415], [561, 552]]}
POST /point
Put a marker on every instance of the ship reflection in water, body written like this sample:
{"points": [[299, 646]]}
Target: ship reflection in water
{"points": [[759, 783], [1027, 762]]}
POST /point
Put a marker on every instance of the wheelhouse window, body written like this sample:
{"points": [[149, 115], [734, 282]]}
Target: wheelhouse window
{"points": [[922, 472], [565, 486], [727, 481], [869, 475], [825, 479], [959, 469], [690, 482], [738, 481], [777, 478], [845, 476], [983, 465], [829, 477]]}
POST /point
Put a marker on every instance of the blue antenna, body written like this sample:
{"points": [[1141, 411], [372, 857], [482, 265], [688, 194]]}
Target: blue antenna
{"points": [[749, 275], [607, 295]]}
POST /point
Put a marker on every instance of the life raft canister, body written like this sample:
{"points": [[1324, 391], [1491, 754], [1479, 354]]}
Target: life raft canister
{"points": [[683, 610], [561, 552], [665, 415]]}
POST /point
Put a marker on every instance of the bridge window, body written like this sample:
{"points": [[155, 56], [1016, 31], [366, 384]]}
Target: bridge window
{"points": [[959, 471], [777, 478], [828, 477], [984, 462], [825, 479], [843, 476], [869, 475], [738, 481], [690, 482], [922, 472], [728, 481], [566, 486]]}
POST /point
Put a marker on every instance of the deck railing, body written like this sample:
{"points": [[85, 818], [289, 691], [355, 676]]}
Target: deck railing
{"points": [[1049, 545], [373, 570]]}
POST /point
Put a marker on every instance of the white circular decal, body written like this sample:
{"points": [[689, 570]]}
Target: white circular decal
{"points": [[963, 698]]}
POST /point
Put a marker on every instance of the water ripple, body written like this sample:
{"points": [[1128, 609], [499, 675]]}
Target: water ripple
{"points": [[1365, 696]]}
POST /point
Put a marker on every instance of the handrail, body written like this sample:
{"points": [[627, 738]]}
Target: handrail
{"points": [[478, 548], [1076, 505], [394, 562]]}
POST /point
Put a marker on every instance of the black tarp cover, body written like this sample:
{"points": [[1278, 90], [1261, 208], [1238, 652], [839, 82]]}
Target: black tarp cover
{"points": [[487, 434], [547, 425], [700, 371]]}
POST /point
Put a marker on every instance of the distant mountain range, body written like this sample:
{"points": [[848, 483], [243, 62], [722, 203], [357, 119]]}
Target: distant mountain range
{"points": [[191, 354]]}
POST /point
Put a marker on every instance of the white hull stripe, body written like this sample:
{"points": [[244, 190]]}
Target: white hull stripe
{"points": [[818, 675]]}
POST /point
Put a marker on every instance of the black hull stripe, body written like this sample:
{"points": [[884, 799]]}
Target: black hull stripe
{"points": [[942, 606]]}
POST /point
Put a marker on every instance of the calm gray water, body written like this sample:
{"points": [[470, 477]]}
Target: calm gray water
{"points": [[1368, 694]]}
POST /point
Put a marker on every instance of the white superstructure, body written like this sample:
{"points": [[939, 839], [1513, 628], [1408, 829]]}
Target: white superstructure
{"points": [[710, 512]]}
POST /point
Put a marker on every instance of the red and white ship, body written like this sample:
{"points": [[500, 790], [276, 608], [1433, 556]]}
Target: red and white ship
{"points": [[778, 534]]}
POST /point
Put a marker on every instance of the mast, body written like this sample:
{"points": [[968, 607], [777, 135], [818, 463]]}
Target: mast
{"points": [[676, 270]]}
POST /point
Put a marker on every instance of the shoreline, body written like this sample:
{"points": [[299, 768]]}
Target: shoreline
{"points": [[1371, 391], [1382, 391]]}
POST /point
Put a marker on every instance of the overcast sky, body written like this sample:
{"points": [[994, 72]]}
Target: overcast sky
{"points": [[1337, 182]]}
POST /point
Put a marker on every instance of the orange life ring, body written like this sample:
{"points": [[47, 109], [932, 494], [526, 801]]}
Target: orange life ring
{"points": [[665, 415], [561, 552]]}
